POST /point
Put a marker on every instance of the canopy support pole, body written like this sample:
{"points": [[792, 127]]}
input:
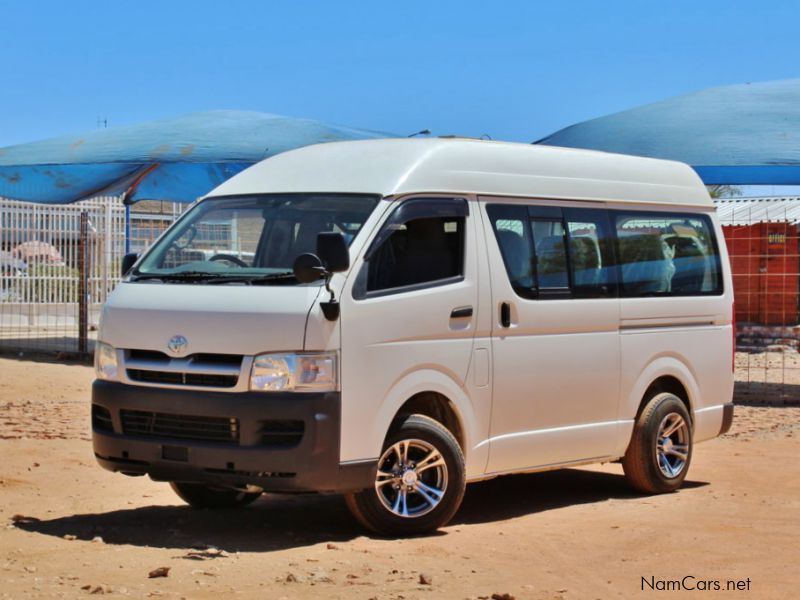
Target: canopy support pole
{"points": [[126, 201]]}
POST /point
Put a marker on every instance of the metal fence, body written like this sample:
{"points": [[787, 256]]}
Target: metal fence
{"points": [[762, 238], [149, 220], [50, 258]]}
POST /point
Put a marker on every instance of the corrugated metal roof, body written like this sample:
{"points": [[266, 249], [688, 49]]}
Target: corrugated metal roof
{"points": [[746, 211]]}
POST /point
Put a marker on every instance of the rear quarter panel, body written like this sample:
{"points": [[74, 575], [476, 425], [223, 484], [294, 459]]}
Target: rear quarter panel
{"points": [[691, 339]]}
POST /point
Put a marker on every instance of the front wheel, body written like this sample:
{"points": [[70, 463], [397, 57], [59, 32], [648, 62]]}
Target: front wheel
{"points": [[419, 484], [198, 495], [660, 450]]}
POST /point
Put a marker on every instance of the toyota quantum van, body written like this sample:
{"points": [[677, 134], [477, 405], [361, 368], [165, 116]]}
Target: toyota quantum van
{"points": [[393, 319]]}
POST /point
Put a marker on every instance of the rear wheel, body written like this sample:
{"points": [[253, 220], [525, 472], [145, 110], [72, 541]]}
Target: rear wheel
{"points": [[660, 450], [198, 495], [419, 484]]}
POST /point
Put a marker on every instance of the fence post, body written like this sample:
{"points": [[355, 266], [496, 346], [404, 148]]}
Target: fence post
{"points": [[83, 288], [127, 226], [107, 253]]}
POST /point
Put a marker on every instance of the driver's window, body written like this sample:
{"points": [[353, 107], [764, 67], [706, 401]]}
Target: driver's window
{"points": [[418, 251], [231, 237]]}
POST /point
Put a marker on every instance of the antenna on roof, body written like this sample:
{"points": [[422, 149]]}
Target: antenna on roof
{"points": [[421, 132]]}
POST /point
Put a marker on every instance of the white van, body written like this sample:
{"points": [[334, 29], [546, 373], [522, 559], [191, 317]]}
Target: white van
{"points": [[393, 319]]}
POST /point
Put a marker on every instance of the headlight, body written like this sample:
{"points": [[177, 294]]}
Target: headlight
{"points": [[105, 361], [294, 372]]}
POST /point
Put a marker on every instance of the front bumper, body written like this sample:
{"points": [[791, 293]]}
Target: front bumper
{"points": [[310, 464]]}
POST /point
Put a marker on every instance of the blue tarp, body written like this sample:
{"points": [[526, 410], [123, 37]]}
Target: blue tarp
{"points": [[175, 159], [738, 135]]}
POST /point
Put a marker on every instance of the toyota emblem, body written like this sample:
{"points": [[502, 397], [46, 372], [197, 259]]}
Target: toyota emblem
{"points": [[177, 344]]}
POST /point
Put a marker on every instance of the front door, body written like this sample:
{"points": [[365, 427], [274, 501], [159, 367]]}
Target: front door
{"points": [[408, 322], [555, 338]]}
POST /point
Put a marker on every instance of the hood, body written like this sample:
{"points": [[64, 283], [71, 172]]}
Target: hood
{"points": [[222, 319]]}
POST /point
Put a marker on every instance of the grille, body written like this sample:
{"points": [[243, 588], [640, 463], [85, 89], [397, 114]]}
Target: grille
{"points": [[206, 358], [199, 370], [183, 378], [147, 355], [221, 430], [101, 418], [282, 434]]}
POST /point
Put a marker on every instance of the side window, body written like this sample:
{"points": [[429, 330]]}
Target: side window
{"points": [[667, 255], [419, 246], [593, 271], [510, 223], [553, 252]]}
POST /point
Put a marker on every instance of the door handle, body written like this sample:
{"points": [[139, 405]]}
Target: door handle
{"points": [[461, 313], [505, 314]]}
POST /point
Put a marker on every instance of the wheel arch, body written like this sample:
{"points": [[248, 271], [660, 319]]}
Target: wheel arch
{"points": [[670, 384], [663, 374], [439, 408], [436, 395]]}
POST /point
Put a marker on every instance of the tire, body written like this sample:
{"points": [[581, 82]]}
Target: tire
{"points": [[656, 463], [198, 495], [432, 495]]}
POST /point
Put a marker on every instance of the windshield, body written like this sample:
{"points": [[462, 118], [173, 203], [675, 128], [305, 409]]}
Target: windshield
{"points": [[251, 238]]}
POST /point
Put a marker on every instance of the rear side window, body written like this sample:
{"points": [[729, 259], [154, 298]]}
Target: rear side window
{"points": [[667, 254], [591, 249], [554, 252]]}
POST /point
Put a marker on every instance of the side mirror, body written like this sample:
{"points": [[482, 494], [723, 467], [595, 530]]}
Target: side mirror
{"points": [[127, 263], [308, 267], [332, 250], [332, 257]]}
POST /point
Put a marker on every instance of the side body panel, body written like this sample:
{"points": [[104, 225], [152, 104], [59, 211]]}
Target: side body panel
{"points": [[556, 372]]}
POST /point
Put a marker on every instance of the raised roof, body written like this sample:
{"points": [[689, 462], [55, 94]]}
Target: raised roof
{"points": [[394, 167]]}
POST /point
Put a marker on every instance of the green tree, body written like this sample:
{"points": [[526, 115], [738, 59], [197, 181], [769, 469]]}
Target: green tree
{"points": [[724, 191]]}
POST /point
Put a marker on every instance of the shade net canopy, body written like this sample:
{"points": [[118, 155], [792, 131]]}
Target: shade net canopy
{"points": [[745, 134], [176, 159]]}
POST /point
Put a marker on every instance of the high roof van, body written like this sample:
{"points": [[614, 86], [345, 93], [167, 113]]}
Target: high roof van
{"points": [[394, 319]]}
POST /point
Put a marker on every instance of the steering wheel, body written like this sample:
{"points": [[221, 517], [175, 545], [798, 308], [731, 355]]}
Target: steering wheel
{"points": [[230, 258]]}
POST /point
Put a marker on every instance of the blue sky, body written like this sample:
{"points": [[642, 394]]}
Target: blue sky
{"points": [[513, 70]]}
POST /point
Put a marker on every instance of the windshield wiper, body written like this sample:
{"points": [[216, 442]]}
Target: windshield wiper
{"points": [[180, 276], [215, 278], [255, 279]]}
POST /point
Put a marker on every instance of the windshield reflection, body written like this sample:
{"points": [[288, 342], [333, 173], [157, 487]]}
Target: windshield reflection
{"points": [[252, 239]]}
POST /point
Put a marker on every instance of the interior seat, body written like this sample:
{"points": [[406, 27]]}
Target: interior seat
{"points": [[646, 264], [551, 262], [586, 261], [517, 257]]}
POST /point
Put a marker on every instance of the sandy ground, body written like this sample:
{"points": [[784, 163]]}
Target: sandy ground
{"points": [[577, 533]]}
